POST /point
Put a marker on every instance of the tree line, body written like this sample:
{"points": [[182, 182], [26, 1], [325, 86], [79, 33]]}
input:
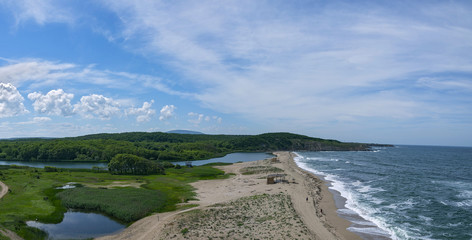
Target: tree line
{"points": [[161, 146]]}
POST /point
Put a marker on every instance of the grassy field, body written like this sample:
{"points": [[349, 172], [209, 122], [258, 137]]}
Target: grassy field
{"points": [[33, 194]]}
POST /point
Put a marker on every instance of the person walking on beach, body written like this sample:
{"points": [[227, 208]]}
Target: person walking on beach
{"points": [[307, 199]]}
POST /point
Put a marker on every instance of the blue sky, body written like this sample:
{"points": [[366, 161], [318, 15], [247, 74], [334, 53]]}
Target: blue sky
{"points": [[390, 72]]}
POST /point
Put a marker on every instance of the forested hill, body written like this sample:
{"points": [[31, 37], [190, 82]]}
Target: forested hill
{"points": [[162, 146]]}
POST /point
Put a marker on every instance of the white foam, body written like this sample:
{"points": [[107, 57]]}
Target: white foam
{"points": [[353, 202], [369, 230]]}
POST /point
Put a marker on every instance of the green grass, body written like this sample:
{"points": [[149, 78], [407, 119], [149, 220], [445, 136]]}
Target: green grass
{"points": [[124, 204], [33, 193], [259, 169]]}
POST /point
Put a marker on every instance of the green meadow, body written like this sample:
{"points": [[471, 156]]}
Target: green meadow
{"points": [[127, 198]]}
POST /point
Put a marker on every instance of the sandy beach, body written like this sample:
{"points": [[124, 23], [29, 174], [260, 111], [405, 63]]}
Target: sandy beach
{"points": [[244, 206]]}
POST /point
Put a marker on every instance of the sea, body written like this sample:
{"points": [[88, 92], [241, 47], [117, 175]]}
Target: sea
{"points": [[400, 192]]}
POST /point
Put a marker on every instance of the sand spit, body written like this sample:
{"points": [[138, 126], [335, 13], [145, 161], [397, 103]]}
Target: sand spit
{"points": [[244, 206]]}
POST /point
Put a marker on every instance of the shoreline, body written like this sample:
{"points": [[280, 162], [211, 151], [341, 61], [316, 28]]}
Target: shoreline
{"points": [[311, 202], [327, 208]]}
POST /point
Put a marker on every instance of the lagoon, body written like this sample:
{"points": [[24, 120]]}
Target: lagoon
{"points": [[86, 165], [79, 225], [229, 158]]}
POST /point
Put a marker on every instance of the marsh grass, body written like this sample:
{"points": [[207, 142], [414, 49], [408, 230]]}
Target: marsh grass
{"points": [[124, 204], [33, 193]]}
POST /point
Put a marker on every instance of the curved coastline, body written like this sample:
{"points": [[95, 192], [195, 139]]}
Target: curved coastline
{"points": [[360, 225], [327, 204], [310, 197]]}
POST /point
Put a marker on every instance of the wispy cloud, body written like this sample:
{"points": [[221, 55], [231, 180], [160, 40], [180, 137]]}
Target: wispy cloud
{"points": [[40, 12], [260, 63], [39, 73], [310, 64]]}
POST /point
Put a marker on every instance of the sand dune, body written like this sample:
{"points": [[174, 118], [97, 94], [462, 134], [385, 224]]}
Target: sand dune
{"points": [[245, 206]]}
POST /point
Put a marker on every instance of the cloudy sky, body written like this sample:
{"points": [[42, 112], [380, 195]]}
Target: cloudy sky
{"points": [[390, 72]]}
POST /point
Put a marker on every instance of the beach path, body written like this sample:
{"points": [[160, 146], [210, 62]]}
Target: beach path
{"points": [[6, 232], [323, 224], [4, 189]]}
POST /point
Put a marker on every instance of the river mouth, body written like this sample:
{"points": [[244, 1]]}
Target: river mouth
{"points": [[79, 225]]}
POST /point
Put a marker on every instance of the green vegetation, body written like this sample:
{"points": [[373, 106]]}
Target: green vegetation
{"points": [[132, 164], [34, 195], [161, 146], [259, 169], [124, 204], [217, 164]]}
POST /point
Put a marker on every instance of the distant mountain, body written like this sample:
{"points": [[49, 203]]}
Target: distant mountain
{"points": [[185, 132]]}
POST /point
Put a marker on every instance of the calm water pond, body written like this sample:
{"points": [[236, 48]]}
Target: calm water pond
{"points": [[232, 158], [79, 225], [87, 165]]}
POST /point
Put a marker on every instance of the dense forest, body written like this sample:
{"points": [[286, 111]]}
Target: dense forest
{"points": [[162, 146]]}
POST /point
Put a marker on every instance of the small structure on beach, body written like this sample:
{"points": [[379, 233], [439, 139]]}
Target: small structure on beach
{"points": [[275, 178]]}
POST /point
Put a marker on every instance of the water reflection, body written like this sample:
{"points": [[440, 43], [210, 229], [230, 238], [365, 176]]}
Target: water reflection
{"points": [[79, 225], [232, 158]]}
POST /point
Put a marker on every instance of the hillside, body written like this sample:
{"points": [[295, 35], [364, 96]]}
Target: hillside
{"points": [[162, 146]]}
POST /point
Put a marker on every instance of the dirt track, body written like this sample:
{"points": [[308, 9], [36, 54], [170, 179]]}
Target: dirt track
{"points": [[4, 189]]}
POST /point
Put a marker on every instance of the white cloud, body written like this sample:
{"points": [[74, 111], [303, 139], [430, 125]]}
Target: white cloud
{"points": [[97, 106], [303, 64], [55, 102], [11, 101], [197, 118], [36, 120], [41, 12], [167, 112], [41, 119], [33, 70], [144, 114], [36, 73]]}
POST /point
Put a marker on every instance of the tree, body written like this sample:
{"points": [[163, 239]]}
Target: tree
{"points": [[132, 164]]}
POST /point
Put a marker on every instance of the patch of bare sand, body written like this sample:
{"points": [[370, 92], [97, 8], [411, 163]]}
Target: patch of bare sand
{"points": [[3, 189], [117, 184], [321, 224], [265, 216], [10, 234], [6, 232]]}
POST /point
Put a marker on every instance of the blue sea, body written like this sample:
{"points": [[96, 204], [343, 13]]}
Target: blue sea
{"points": [[401, 192]]}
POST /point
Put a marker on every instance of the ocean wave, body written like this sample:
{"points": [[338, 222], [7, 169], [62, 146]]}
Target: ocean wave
{"points": [[375, 231], [461, 204]]}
